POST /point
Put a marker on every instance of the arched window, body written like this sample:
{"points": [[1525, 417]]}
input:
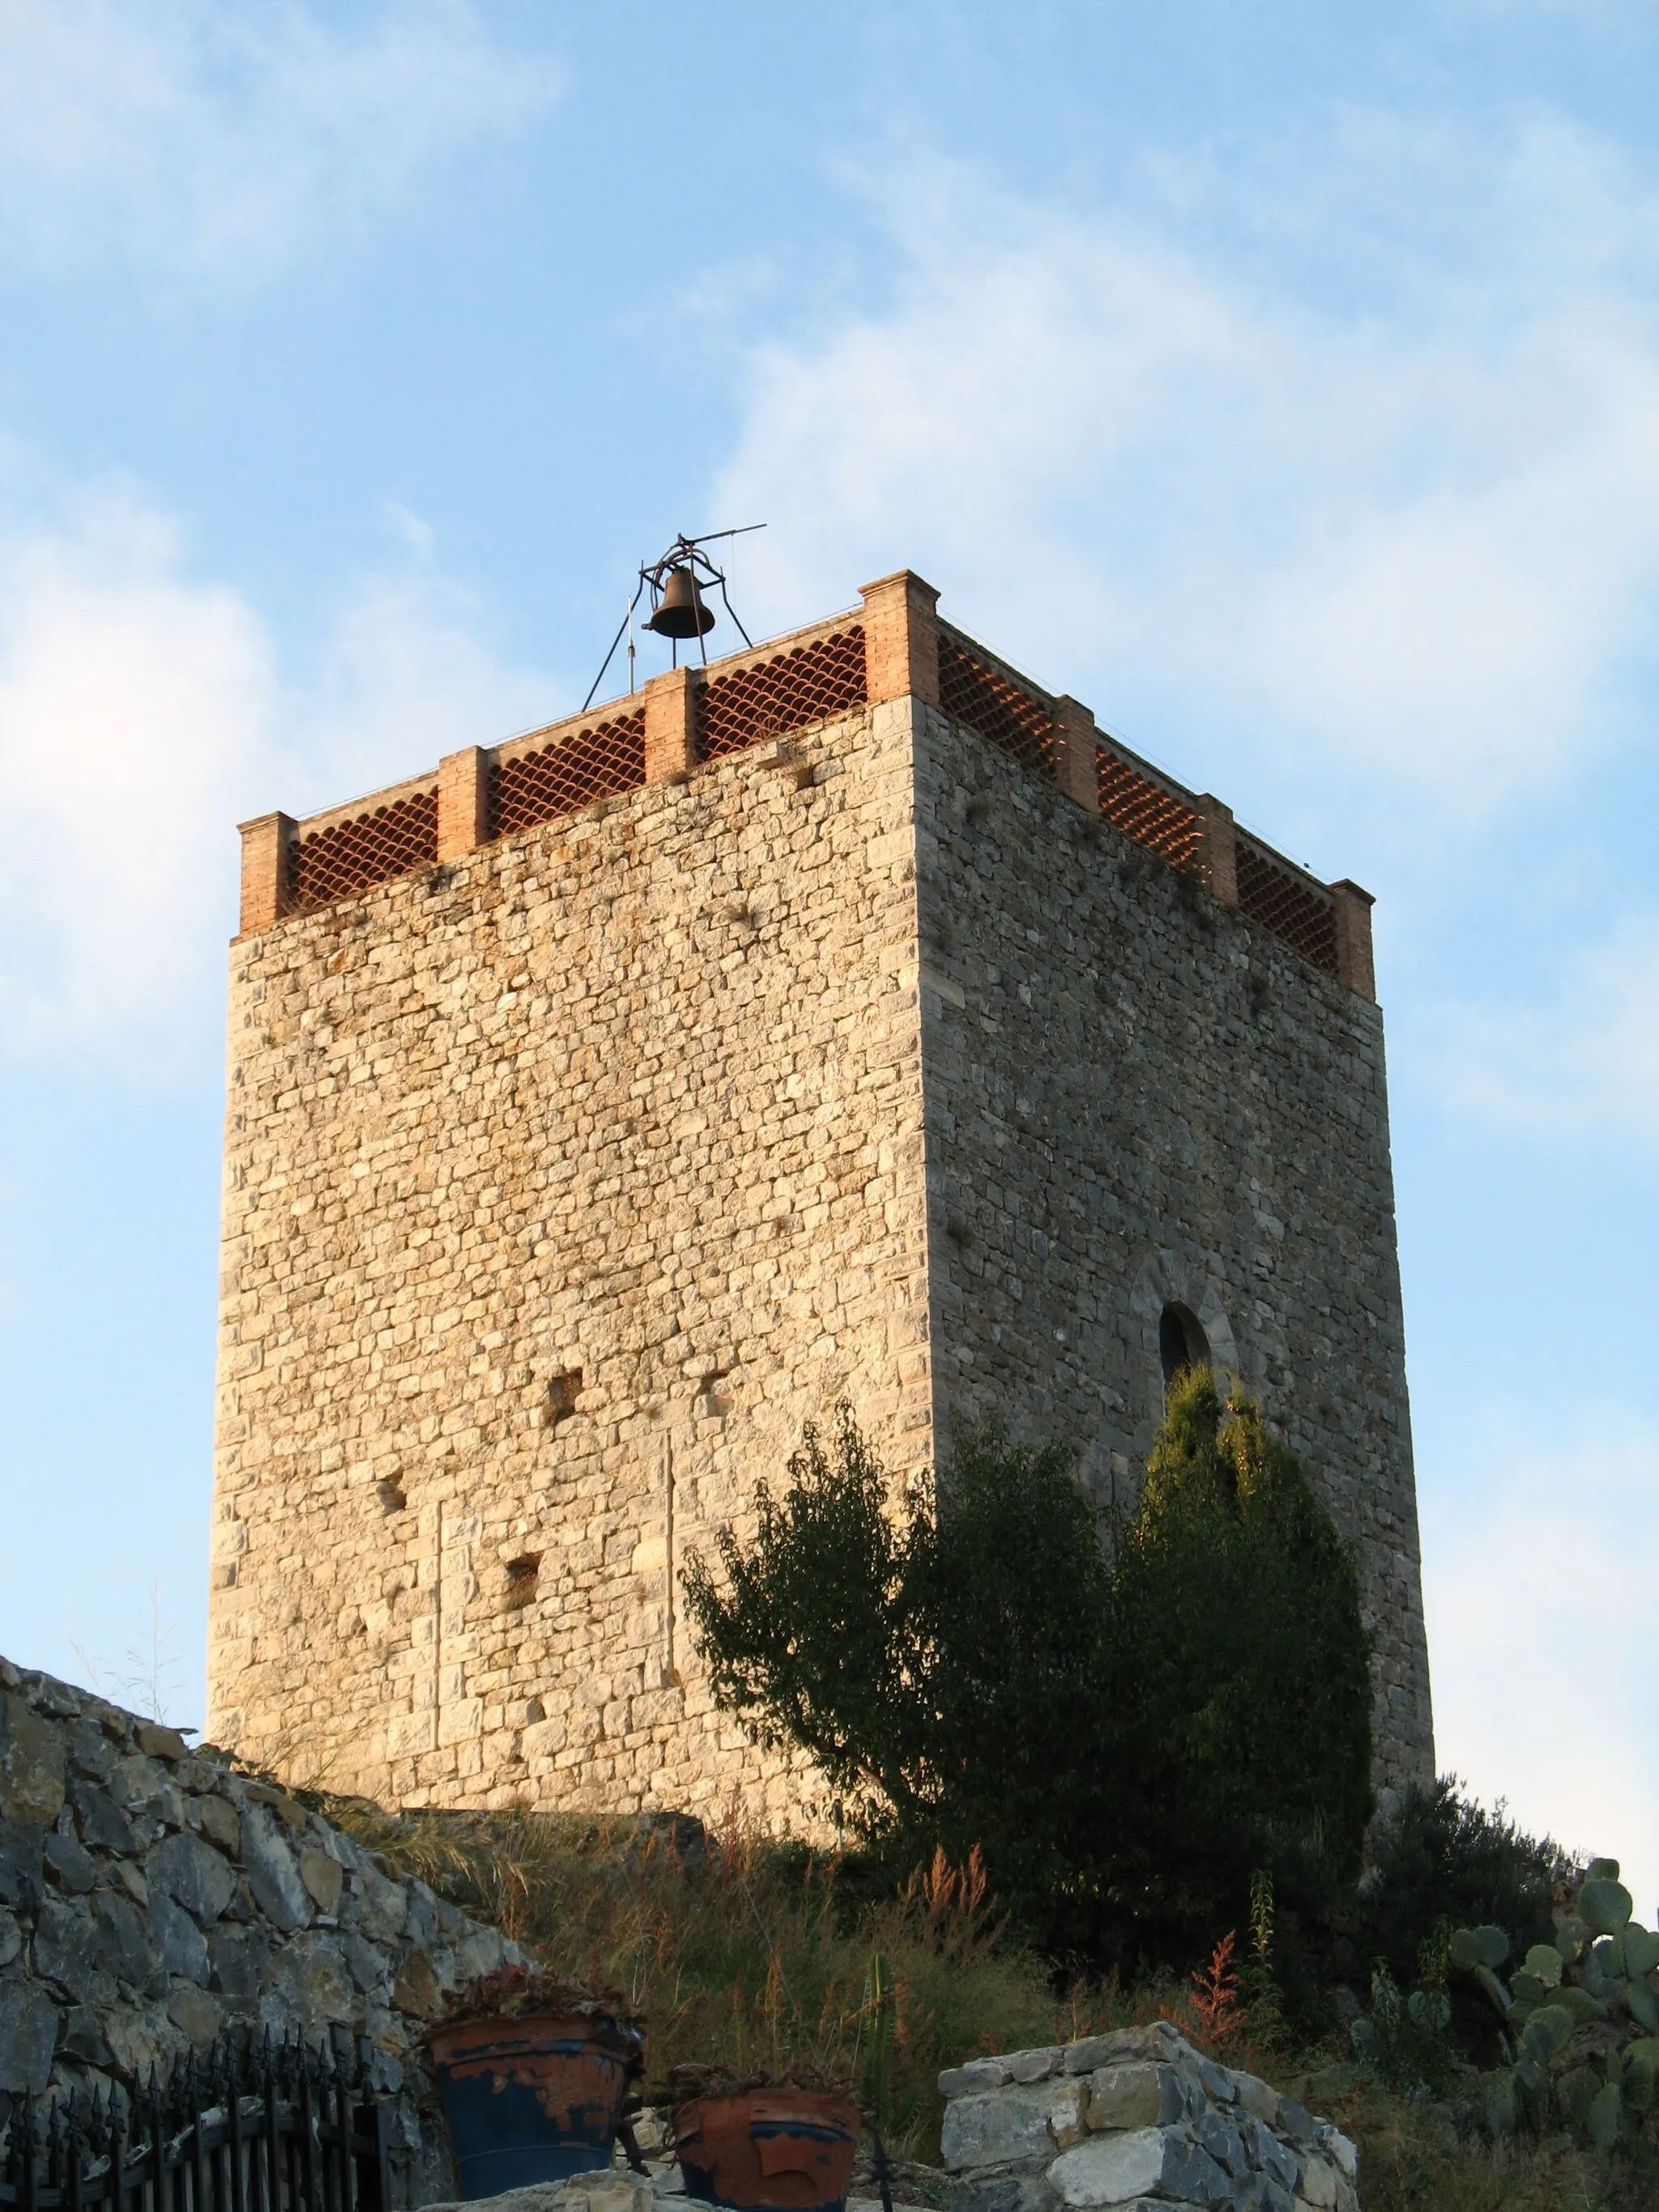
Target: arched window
{"points": [[1181, 1342]]}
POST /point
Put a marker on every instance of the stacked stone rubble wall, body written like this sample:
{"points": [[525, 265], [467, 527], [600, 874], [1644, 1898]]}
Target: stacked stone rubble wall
{"points": [[1139, 2120], [151, 1901]]}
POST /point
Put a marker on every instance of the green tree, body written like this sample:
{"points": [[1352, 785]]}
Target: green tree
{"points": [[1241, 1674], [1126, 1731], [938, 1653]]}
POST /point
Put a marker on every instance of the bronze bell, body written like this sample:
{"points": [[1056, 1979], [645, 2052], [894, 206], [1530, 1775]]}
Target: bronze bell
{"points": [[682, 613]]}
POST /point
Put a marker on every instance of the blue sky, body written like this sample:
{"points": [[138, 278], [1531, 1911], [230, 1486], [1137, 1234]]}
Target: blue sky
{"points": [[1282, 380]]}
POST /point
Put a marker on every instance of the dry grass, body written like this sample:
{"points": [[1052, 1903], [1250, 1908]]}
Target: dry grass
{"points": [[758, 1958]]}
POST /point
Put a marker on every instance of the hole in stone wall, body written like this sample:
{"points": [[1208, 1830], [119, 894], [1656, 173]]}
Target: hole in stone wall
{"points": [[562, 1391], [1181, 1342], [521, 1578], [393, 1499]]}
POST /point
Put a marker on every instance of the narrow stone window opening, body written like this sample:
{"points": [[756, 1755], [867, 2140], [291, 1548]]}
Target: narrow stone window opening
{"points": [[562, 1391], [1181, 1342], [393, 1499], [522, 1575]]}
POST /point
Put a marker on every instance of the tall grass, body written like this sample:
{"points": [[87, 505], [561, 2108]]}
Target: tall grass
{"points": [[745, 1954], [762, 1958]]}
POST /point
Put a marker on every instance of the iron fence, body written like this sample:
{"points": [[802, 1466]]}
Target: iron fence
{"points": [[248, 2127]]}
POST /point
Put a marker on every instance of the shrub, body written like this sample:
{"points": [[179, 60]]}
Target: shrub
{"points": [[1241, 1679], [1444, 1857], [941, 1662], [1128, 1743]]}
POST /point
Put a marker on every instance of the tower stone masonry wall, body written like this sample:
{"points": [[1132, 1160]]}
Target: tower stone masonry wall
{"points": [[565, 1180], [634, 1098], [1135, 1098]]}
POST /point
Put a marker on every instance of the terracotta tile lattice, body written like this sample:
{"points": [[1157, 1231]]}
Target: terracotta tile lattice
{"points": [[595, 763], [987, 701], [753, 704], [1295, 912], [1143, 809], [352, 856]]}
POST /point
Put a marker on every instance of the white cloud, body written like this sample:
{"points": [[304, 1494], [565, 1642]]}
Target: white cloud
{"points": [[1400, 543], [143, 714], [1584, 1062], [1539, 1578], [213, 138]]}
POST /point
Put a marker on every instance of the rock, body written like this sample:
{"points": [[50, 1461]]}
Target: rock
{"points": [[11, 1937], [90, 1753], [237, 1957], [1216, 2134], [131, 1879], [194, 2011], [74, 1868], [122, 1950], [218, 1823], [1295, 2121], [307, 1981], [84, 2038], [1218, 2082], [1110, 2169], [416, 1990], [1317, 2183], [180, 1947], [22, 1846], [322, 1877], [1335, 2146], [65, 1947], [979, 2074], [28, 2035], [1034, 2065], [1256, 2098], [156, 1741], [101, 1822], [31, 1764], [1272, 2157], [1138, 2095], [192, 1872], [609, 2190], [384, 1909], [272, 1872], [1007, 2127], [1156, 2041]]}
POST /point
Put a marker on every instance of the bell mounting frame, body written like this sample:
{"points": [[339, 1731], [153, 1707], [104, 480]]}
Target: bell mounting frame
{"points": [[686, 557]]}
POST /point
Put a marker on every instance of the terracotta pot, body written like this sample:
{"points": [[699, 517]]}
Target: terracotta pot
{"points": [[790, 2149], [533, 2099]]}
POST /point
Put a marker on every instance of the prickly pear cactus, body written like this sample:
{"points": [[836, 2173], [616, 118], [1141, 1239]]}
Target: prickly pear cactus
{"points": [[1581, 2017]]}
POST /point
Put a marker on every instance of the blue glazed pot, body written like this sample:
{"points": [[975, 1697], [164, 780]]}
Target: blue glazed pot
{"points": [[533, 2099]]}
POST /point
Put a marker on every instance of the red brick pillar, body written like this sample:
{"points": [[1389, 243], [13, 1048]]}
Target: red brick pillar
{"points": [[266, 846], [671, 724], [1218, 847], [1077, 752], [463, 802], [901, 639], [1354, 965]]}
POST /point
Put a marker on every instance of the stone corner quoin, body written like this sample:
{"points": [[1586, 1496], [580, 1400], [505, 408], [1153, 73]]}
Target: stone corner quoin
{"points": [[915, 1047]]}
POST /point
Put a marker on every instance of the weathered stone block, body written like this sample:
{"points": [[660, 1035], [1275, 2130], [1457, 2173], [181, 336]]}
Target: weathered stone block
{"points": [[193, 1873], [273, 1873], [31, 1764], [28, 2035], [1008, 2127], [1138, 2095]]}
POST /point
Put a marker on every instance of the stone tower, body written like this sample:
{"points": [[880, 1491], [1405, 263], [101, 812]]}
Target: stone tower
{"points": [[850, 1019]]}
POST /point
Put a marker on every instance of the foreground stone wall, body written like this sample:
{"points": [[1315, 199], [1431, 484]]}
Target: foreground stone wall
{"points": [[150, 1900], [1136, 2119], [1136, 1097], [564, 1183]]}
